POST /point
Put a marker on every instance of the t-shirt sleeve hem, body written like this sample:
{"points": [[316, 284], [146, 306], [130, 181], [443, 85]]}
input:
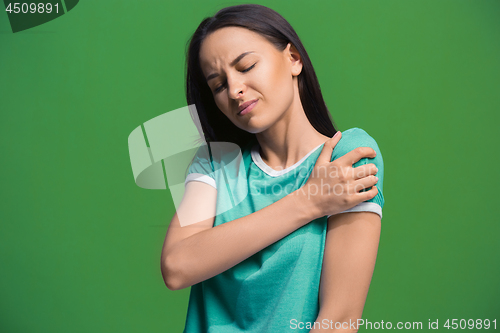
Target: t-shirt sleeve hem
{"points": [[200, 178], [364, 207]]}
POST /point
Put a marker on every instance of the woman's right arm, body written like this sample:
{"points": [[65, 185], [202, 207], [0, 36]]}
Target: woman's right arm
{"points": [[198, 251]]}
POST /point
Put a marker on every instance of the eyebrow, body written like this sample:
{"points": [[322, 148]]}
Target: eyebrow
{"points": [[234, 62]]}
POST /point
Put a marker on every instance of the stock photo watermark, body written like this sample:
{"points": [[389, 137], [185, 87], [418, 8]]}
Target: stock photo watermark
{"points": [[366, 324], [346, 183], [160, 161], [24, 15]]}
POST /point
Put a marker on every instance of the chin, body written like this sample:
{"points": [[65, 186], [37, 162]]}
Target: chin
{"points": [[256, 122], [254, 126]]}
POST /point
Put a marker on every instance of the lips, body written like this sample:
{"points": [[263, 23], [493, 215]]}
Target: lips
{"points": [[245, 105]]}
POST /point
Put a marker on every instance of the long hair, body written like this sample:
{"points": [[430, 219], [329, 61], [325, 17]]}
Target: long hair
{"points": [[271, 25]]}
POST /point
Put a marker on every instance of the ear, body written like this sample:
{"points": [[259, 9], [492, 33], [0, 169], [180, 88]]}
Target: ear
{"points": [[294, 57]]}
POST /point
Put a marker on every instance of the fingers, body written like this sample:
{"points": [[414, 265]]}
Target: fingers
{"points": [[366, 195], [364, 171], [326, 153], [355, 155], [364, 183]]}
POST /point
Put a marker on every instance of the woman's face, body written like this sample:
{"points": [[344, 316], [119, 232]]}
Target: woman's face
{"points": [[243, 67]]}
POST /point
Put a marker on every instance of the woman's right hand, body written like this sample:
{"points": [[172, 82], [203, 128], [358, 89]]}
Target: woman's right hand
{"points": [[335, 186]]}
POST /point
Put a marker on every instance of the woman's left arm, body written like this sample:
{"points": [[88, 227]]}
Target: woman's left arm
{"points": [[351, 246]]}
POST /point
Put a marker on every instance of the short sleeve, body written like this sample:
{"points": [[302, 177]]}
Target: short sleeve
{"points": [[201, 168], [352, 139]]}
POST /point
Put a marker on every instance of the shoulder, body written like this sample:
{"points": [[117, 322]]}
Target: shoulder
{"points": [[353, 138], [215, 158], [356, 137]]}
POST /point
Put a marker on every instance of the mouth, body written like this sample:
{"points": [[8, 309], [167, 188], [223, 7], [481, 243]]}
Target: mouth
{"points": [[247, 107]]}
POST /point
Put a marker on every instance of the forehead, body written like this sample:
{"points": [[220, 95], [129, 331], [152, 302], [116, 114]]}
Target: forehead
{"points": [[224, 45]]}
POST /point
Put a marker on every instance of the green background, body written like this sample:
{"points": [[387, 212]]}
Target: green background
{"points": [[80, 243]]}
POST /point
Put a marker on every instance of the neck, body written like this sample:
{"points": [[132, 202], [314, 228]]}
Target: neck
{"points": [[289, 139]]}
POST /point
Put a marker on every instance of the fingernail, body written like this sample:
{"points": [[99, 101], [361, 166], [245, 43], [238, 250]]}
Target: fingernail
{"points": [[336, 134]]}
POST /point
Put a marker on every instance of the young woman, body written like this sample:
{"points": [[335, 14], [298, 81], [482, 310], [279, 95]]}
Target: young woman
{"points": [[297, 246]]}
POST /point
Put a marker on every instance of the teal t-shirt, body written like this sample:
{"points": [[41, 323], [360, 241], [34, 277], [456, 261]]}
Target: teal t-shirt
{"points": [[279, 285]]}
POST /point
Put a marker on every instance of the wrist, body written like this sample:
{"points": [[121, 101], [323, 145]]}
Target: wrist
{"points": [[304, 206]]}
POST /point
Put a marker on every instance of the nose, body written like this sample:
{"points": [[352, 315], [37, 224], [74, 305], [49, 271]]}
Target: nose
{"points": [[236, 87]]}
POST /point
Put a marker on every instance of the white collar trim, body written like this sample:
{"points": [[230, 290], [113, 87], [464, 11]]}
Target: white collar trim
{"points": [[257, 159]]}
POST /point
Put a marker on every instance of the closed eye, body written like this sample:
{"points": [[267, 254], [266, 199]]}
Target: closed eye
{"points": [[249, 68], [219, 88]]}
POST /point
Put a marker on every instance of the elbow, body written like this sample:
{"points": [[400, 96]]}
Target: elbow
{"points": [[171, 273], [173, 285]]}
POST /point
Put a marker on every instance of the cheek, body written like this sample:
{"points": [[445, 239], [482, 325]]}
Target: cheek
{"points": [[279, 87]]}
